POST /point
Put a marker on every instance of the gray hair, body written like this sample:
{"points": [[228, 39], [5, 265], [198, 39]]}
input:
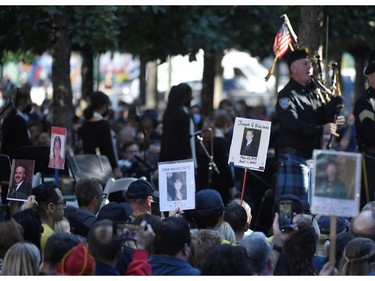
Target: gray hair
{"points": [[258, 250]]}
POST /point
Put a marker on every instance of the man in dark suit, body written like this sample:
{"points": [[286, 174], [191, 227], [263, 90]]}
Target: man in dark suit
{"points": [[20, 188], [250, 146]]}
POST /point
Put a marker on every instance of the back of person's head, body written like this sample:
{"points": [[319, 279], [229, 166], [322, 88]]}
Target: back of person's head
{"points": [[57, 245], [209, 209], [201, 242], [342, 239], [98, 99], [45, 193], [149, 218], [10, 233], [246, 206], [86, 189], [363, 225], [103, 246], [259, 251], [179, 96], [301, 246], [171, 235], [30, 221], [21, 94], [77, 261], [226, 260], [236, 216], [221, 119], [23, 258], [370, 206], [358, 257], [115, 212]]}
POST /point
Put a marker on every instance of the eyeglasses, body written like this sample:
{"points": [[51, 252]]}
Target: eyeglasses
{"points": [[63, 203]]}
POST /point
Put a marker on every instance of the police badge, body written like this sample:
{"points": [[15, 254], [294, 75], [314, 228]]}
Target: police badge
{"points": [[284, 103]]}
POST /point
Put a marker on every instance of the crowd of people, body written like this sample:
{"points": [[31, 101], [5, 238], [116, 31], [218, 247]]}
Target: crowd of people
{"points": [[228, 232]]}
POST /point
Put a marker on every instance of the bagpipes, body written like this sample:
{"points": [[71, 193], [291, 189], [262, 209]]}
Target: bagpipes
{"points": [[283, 41]]}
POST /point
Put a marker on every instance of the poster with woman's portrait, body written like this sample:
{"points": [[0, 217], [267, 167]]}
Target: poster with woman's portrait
{"points": [[336, 180], [249, 146], [57, 148], [176, 185]]}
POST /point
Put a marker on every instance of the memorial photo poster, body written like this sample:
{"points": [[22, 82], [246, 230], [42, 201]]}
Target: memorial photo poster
{"points": [[21, 178], [176, 185], [249, 146], [57, 148], [336, 181]]}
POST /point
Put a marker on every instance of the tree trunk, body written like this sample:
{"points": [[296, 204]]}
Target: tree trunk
{"points": [[87, 72], [208, 84], [142, 81], [62, 89], [310, 29]]}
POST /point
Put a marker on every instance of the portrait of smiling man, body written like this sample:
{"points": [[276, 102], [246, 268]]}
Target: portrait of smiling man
{"points": [[20, 189]]}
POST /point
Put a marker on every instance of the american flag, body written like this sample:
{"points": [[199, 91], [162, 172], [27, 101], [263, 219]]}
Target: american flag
{"points": [[282, 41]]}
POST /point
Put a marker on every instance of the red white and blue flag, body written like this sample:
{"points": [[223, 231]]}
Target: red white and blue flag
{"points": [[282, 41]]}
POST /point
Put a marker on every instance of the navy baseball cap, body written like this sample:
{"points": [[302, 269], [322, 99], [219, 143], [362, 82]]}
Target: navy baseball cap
{"points": [[139, 189], [115, 211]]}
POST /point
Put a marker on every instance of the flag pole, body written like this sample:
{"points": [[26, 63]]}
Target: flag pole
{"points": [[287, 22], [270, 72]]}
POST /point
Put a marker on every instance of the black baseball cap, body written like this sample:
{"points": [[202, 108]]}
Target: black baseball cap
{"points": [[139, 189]]}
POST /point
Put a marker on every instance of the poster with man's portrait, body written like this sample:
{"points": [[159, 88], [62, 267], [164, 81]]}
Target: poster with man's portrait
{"points": [[249, 146], [176, 185], [336, 180], [57, 148], [21, 178]]}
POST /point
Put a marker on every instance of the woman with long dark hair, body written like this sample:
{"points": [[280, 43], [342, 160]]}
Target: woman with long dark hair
{"points": [[96, 131], [176, 143]]}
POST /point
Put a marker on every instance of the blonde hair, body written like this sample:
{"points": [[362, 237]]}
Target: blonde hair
{"points": [[23, 258], [62, 225]]}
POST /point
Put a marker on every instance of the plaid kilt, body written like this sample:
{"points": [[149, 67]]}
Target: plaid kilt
{"points": [[292, 176]]}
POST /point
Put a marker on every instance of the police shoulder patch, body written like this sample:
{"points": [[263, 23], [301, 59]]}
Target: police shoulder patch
{"points": [[284, 103]]}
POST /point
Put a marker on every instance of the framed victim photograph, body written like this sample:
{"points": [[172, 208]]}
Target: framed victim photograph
{"points": [[336, 183], [21, 178], [176, 185], [249, 146], [57, 148]]}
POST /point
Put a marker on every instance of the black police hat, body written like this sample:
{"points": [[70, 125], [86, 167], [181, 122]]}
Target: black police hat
{"points": [[371, 63], [297, 55]]}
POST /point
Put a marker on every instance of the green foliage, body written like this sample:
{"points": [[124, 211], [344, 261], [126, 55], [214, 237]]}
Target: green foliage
{"points": [[25, 56]]}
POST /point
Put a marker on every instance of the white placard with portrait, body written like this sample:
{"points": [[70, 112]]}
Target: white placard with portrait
{"points": [[57, 148], [336, 183], [176, 185], [249, 145]]}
